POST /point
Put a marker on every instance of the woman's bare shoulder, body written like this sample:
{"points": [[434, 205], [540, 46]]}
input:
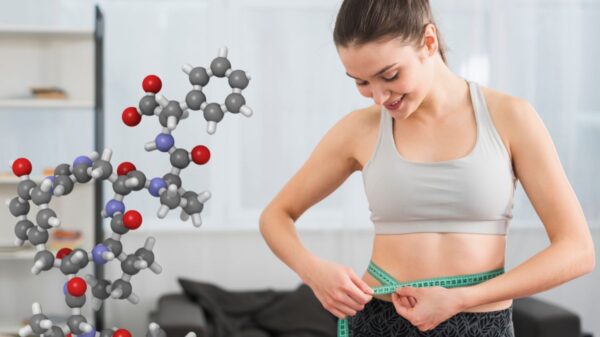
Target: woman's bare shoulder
{"points": [[506, 111], [362, 126], [362, 120], [356, 123]]}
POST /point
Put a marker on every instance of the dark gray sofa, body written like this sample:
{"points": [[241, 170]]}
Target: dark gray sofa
{"points": [[532, 317]]}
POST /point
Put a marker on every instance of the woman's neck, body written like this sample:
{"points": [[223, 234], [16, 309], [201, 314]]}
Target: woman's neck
{"points": [[447, 91]]}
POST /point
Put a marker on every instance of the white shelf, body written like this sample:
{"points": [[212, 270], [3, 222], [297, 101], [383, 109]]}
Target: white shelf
{"points": [[40, 31], [46, 103], [21, 254], [10, 180], [9, 327]]}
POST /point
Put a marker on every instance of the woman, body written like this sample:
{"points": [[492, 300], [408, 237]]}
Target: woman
{"points": [[440, 157]]}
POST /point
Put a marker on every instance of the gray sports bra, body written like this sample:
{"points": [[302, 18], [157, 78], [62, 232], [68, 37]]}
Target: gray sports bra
{"points": [[471, 194]]}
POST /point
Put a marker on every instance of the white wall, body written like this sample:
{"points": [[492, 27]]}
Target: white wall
{"points": [[299, 90]]}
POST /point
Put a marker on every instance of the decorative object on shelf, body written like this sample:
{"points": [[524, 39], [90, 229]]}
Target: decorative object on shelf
{"points": [[48, 93], [65, 238], [127, 178]]}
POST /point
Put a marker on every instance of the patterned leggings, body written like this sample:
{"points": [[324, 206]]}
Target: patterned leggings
{"points": [[380, 319]]}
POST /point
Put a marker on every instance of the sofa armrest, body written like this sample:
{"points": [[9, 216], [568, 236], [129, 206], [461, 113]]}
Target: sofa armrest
{"points": [[533, 317], [177, 316]]}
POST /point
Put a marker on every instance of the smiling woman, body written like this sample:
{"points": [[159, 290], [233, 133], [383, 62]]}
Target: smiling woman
{"points": [[440, 157]]}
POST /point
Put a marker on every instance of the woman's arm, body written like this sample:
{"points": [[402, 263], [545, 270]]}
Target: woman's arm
{"points": [[571, 250], [329, 165], [337, 287]]}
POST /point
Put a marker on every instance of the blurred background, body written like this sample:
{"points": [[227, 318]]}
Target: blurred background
{"points": [[63, 62]]}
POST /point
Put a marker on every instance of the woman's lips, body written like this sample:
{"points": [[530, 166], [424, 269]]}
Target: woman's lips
{"points": [[395, 104]]}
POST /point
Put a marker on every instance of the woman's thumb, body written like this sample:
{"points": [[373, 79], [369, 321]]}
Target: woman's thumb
{"points": [[402, 311], [406, 291], [360, 283]]}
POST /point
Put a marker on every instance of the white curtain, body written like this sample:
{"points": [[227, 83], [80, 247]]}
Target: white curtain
{"points": [[542, 51]]}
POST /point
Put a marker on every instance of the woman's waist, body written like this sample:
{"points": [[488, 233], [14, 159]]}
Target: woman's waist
{"points": [[421, 270], [456, 278], [427, 255], [394, 225], [383, 283]]}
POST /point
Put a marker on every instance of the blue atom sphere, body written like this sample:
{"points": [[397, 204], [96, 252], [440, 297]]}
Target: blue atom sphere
{"points": [[155, 185], [114, 206], [82, 160], [92, 333], [164, 142], [97, 253]]}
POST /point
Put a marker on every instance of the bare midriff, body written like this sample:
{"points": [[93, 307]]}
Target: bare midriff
{"points": [[414, 256]]}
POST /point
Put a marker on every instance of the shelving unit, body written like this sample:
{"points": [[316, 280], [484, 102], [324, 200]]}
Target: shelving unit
{"points": [[21, 254], [41, 31], [47, 56], [46, 103], [8, 180], [7, 327], [52, 55]]}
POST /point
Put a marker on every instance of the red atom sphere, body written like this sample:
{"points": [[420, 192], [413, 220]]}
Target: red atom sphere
{"points": [[69, 335], [122, 333], [76, 286], [63, 252], [131, 117], [21, 167], [132, 219], [125, 167], [152, 84], [200, 154]]}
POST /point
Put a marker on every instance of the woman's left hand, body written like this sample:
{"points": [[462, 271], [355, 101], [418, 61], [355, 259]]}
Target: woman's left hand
{"points": [[434, 305]]}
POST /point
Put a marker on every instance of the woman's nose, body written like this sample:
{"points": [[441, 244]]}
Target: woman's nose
{"points": [[380, 95]]}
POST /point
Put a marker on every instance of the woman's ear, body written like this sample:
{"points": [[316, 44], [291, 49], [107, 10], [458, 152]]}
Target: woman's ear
{"points": [[430, 41]]}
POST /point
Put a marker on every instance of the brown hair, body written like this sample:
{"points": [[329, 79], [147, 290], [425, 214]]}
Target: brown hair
{"points": [[362, 21]]}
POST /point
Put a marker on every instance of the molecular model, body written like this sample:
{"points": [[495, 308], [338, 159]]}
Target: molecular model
{"points": [[127, 178], [171, 112]]}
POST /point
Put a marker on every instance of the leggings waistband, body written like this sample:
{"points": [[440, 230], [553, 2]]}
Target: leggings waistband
{"points": [[390, 284]]}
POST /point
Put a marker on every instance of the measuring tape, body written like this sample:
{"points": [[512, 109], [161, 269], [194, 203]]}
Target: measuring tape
{"points": [[390, 284]]}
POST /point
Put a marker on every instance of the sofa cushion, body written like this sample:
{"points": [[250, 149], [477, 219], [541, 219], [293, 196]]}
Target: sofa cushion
{"points": [[280, 313], [299, 310], [533, 317]]}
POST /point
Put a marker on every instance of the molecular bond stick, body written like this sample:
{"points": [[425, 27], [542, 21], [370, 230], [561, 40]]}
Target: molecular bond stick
{"points": [[127, 178]]}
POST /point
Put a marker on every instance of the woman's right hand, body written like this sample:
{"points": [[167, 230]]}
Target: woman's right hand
{"points": [[405, 301], [338, 288]]}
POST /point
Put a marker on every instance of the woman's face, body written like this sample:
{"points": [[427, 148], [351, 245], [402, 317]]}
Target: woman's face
{"points": [[395, 75]]}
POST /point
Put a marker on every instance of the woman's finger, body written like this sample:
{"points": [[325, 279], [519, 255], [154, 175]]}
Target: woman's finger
{"points": [[353, 300], [367, 291], [337, 313], [401, 310], [405, 302], [346, 310]]}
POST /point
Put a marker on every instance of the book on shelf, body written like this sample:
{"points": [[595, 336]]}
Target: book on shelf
{"points": [[64, 238], [48, 93]]}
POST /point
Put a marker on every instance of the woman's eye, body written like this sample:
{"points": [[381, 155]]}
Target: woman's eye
{"points": [[391, 78], [360, 84]]}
